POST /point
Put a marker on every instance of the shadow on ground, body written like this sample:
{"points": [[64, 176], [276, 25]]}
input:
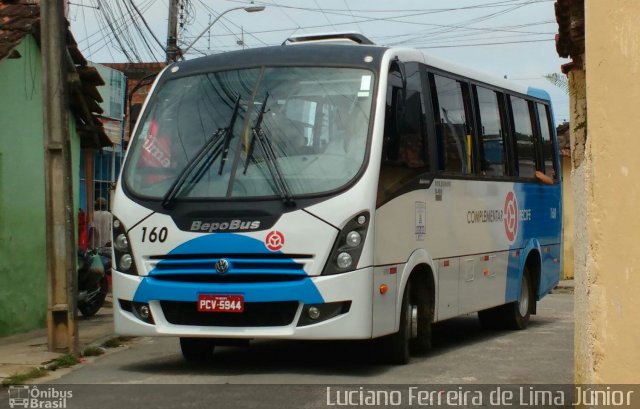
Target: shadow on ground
{"points": [[348, 358]]}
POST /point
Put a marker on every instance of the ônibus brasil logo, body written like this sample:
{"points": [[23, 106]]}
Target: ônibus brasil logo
{"points": [[511, 216], [274, 240]]}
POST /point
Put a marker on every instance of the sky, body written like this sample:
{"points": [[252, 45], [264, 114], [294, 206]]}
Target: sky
{"points": [[512, 38]]}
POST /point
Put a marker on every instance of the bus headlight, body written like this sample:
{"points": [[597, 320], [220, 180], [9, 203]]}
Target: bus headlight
{"points": [[354, 239], [348, 246], [121, 242], [122, 249], [125, 262], [344, 260]]}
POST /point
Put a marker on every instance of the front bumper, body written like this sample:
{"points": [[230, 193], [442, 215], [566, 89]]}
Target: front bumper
{"points": [[172, 304]]}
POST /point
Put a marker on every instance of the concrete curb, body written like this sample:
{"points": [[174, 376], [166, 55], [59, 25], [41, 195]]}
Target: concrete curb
{"points": [[22, 353]]}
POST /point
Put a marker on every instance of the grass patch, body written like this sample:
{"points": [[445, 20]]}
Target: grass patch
{"points": [[21, 378], [93, 351], [63, 361], [115, 342], [112, 343]]}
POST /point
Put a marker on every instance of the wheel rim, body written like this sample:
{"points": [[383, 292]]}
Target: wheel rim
{"points": [[413, 310], [523, 301]]}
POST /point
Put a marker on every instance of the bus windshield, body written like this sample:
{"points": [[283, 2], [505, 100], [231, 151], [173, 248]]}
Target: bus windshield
{"points": [[244, 133]]}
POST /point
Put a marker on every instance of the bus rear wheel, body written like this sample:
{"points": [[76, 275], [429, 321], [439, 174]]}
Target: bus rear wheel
{"points": [[517, 313], [514, 315], [197, 349]]}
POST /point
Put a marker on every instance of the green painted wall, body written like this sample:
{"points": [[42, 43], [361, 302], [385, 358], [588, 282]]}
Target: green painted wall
{"points": [[23, 290]]}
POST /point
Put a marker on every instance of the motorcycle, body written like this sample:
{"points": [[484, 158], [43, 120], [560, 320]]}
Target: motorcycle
{"points": [[94, 266]]}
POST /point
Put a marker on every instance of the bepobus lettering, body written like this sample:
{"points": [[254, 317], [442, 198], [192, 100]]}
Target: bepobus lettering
{"points": [[198, 225]]}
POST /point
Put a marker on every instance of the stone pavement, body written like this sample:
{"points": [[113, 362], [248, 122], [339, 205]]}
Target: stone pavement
{"points": [[22, 352]]}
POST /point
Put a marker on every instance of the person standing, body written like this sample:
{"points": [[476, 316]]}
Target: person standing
{"points": [[102, 223]]}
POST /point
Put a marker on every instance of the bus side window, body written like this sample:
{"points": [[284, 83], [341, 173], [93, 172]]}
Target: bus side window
{"points": [[547, 143], [451, 114], [404, 152], [524, 138], [492, 133]]}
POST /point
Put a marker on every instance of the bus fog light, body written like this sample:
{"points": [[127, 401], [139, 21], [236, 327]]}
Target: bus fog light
{"points": [[144, 312], [344, 260], [125, 262], [354, 239], [121, 243], [314, 313]]}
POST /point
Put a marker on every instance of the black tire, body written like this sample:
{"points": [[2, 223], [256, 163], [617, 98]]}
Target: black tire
{"points": [[516, 314], [420, 342], [197, 349], [396, 346], [95, 300]]}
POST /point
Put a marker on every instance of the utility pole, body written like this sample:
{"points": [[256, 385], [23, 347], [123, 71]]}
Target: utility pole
{"points": [[62, 331], [172, 32]]}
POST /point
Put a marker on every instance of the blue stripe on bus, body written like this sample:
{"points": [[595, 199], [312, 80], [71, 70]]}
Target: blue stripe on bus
{"points": [[541, 231], [538, 93], [303, 290]]}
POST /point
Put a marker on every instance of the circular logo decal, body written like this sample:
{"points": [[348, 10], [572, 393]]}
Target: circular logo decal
{"points": [[274, 240], [511, 216], [222, 266]]}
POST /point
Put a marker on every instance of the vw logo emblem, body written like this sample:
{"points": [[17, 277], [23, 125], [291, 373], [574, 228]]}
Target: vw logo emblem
{"points": [[222, 266]]}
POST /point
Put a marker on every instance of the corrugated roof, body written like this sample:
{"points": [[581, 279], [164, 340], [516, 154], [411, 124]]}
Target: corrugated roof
{"points": [[19, 18]]}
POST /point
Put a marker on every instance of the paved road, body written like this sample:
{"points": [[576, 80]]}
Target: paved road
{"points": [[463, 353], [283, 374]]}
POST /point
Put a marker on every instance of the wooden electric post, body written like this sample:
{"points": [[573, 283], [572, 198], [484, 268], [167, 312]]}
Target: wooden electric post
{"points": [[61, 249], [173, 51]]}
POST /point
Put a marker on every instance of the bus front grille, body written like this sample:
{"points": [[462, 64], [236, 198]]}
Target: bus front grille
{"points": [[229, 278], [278, 266], [255, 314]]}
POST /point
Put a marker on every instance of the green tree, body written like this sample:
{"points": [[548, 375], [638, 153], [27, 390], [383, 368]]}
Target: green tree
{"points": [[559, 80]]}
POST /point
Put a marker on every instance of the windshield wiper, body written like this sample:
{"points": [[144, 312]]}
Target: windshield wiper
{"points": [[270, 157], [208, 153], [229, 135]]}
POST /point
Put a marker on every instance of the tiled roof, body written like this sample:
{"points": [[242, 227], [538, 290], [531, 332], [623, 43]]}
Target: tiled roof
{"points": [[20, 18], [16, 21], [570, 37]]}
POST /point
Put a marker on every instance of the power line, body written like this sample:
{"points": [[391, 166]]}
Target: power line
{"points": [[422, 11], [144, 21], [484, 44]]}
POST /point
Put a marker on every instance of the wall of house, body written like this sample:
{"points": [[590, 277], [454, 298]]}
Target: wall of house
{"points": [[606, 194], [23, 279]]}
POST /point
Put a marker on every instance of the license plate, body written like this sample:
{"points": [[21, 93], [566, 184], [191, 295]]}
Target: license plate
{"points": [[220, 303]]}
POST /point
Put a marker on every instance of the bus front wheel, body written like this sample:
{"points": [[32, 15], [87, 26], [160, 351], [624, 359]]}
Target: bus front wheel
{"points": [[395, 347], [197, 349]]}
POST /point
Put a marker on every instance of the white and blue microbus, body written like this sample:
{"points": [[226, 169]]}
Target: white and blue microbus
{"points": [[334, 190]]}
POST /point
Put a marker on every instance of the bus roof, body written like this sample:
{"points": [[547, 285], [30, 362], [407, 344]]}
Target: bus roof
{"points": [[316, 53]]}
